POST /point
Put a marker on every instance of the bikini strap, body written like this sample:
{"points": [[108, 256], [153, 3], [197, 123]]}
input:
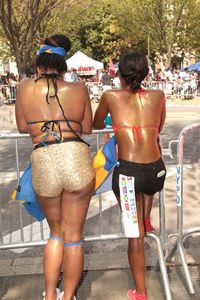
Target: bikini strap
{"points": [[54, 77], [53, 237], [79, 243]]}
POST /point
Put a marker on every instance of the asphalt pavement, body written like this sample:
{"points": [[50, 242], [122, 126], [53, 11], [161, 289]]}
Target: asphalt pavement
{"points": [[106, 272]]}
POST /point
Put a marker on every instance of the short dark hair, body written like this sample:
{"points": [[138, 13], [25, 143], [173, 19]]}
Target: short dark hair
{"points": [[133, 68], [54, 61]]}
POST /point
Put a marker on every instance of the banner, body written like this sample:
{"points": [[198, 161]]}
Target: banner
{"points": [[128, 205]]}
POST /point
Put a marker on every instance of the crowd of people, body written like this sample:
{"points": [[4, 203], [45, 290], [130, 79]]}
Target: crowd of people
{"points": [[176, 83]]}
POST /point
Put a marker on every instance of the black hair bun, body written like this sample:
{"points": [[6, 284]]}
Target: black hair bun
{"points": [[133, 68], [59, 40]]}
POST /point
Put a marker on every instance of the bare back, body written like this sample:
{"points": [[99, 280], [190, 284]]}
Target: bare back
{"points": [[32, 107], [137, 119]]}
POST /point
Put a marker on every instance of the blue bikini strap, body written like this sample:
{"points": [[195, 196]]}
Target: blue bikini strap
{"points": [[53, 237], [73, 244]]}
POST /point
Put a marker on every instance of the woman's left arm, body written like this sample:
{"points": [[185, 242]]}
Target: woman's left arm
{"points": [[163, 114], [101, 112], [19, 115], [87, 119]]}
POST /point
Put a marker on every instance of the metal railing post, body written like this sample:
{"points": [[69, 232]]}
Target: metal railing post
{"points": [[180, 201], [162, 220], [160, 240], [1, 222], [18, 176]]}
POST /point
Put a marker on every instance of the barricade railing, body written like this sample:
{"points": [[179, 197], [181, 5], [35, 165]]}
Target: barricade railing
{"points": [[181, 90], [185, 90], [158, 238], [178, 247], [7, 93]]}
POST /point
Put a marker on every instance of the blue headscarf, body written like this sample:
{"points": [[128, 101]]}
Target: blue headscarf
{"points": [[52, 50]]}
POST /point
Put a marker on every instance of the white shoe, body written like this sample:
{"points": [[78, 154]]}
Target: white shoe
{"points": [[58, 293], [62, 294]]}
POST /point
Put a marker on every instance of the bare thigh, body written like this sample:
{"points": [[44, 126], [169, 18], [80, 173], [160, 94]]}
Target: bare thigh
{"points": [[74, 210], [139, 204], [51, 207]]}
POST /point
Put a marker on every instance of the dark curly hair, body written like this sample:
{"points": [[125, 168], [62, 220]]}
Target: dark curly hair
{"points": [[133, 68], [54, 61]]}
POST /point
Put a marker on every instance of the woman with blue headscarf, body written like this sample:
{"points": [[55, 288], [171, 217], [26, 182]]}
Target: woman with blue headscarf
{"points": [[62, 172]]}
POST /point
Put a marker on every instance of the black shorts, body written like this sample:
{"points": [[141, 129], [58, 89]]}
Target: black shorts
{"points": [[149, 177]]}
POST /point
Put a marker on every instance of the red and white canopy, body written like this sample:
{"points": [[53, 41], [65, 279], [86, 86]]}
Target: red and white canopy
{"points": [[83, 64]]}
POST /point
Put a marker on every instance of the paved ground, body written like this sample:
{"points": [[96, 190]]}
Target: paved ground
{"points": [[107, 275], [106, 281]]}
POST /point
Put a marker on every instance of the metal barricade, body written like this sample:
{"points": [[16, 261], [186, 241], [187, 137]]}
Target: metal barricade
{"points": [[159, 239], [7, 93], [181, 235], [95, 90], [183, 91]]}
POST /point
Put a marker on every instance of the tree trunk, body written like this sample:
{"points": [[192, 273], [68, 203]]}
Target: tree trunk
{"points": [[21, 23], [168, 57]]}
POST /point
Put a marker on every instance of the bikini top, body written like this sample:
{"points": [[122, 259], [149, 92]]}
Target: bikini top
{"points": [[136, 129], [52, 127]]}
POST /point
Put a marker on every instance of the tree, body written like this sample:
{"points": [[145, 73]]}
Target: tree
{"points": [[167, 23], [99, 28], [71, 23], [4, 50], [23, 23]]}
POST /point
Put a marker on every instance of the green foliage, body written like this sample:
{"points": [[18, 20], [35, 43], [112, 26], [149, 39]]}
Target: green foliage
{"points": [[22, 23], [168, 23], [101, 28], [5, 53]]}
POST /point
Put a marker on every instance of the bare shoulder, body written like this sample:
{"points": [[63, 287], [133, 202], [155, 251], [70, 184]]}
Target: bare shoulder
{"points": [[76, 85], [159, 94], [26, 82], [109, 94]]}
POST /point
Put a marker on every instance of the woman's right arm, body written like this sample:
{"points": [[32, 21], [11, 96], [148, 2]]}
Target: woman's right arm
{"points": [[101, 112], [20, 120]]}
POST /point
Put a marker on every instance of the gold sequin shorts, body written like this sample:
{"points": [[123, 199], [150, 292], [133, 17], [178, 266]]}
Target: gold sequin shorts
{"points": [[57, 167]]}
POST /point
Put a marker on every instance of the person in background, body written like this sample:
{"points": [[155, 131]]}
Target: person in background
{"points": [[56, 113], [12, 81], [106, 80], [116, 81], [74, 76], [68, 77], [95, 78], [138, 117]]}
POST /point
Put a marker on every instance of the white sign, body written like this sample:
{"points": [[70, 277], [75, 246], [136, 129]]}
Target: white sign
{"points": [[128, 205]]}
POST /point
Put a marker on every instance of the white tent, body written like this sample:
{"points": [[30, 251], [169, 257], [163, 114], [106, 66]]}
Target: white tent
{"points": [[83, 64]]}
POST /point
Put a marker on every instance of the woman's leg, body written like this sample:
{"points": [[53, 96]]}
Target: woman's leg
{"points": [[136, 253], [148, 201], [53, 253], [74, 210]]}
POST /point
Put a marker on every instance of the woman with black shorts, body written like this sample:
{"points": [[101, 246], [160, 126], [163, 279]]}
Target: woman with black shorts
{"points": [[138, 117]]}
